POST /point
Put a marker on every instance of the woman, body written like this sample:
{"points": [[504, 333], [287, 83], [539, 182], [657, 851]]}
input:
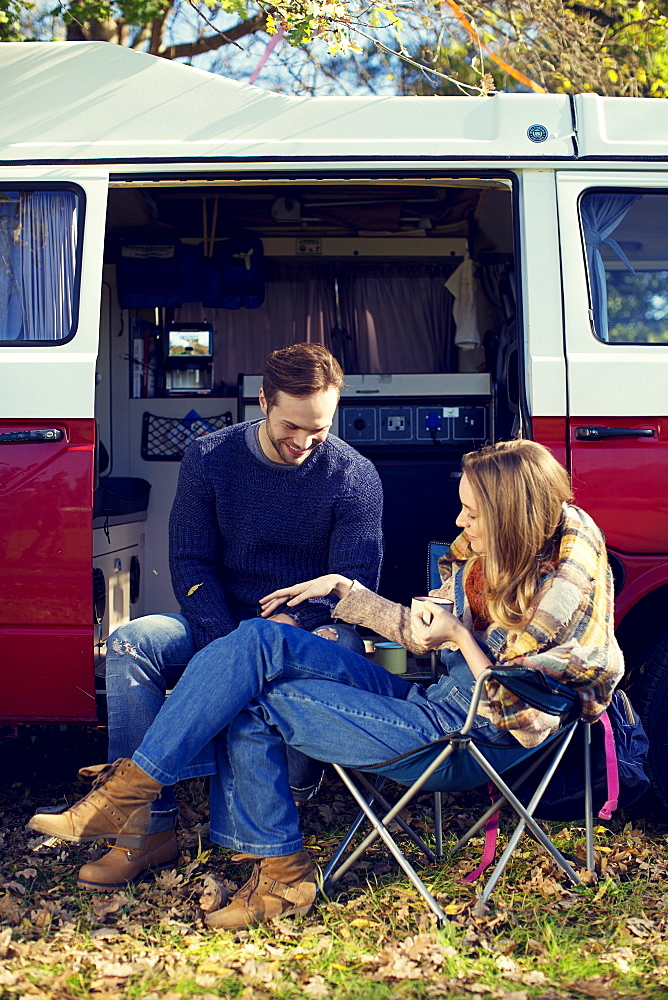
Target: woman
{"points": [[531, 586]]}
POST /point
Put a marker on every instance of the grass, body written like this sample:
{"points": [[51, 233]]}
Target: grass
{"points": [[373, 940]]}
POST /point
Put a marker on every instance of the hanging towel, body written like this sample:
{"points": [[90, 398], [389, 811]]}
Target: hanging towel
{"points": [[461, 284]]}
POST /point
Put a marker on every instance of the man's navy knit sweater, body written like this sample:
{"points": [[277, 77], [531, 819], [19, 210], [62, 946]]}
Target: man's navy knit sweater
{"points": [[241, 527]]}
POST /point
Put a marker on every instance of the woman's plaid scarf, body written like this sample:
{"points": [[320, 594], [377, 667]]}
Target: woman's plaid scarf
{"points": [[570, 636]]}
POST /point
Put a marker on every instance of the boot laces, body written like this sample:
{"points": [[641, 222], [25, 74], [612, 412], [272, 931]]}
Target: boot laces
{"points": [[103, 777], [249, 887], [98, 781]]}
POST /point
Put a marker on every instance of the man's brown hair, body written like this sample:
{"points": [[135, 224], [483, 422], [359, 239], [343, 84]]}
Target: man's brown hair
{"points": [[300, 370]]}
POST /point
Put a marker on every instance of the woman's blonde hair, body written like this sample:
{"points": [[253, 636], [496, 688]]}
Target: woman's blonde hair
{"points": [[519, 489]]}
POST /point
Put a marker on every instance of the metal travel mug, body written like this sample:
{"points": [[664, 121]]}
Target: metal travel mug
{"points": [[391, 656]]}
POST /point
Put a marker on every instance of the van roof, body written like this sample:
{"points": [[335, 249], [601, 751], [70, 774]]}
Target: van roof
{"points": [[97, 102]]}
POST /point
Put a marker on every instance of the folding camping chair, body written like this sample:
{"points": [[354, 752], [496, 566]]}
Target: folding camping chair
{"points": [[426, 768]]}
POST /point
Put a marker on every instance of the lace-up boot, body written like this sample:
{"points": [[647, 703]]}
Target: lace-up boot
{"points": [[118, 808], [119, 866], [278, 887]]}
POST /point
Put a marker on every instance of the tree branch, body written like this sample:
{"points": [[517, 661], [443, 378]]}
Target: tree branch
{"points": [[207, 44]]}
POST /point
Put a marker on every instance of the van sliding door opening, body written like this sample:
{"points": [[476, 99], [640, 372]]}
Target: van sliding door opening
{"points": [[411, 284]]}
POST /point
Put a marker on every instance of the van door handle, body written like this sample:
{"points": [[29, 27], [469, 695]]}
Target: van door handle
{"points": [[601, 433], [31, 437]]}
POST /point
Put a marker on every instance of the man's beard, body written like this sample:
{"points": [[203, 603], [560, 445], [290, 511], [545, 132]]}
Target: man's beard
{"points": [[282, 451]]}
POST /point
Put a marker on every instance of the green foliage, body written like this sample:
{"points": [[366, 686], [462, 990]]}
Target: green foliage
{"points": [[11, 13], [637, 307], [610, 47], [133, 12]]}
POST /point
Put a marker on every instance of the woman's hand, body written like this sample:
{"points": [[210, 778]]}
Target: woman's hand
{"points": [[444, 627], [322, 586]]}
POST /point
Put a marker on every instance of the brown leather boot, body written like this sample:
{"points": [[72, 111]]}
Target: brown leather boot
{"points": [[118, 808], [278, 887], [119, 867]]}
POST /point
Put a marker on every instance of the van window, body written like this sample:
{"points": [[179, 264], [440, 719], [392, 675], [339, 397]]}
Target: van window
{"points": [[627, 263], [39, 237]]}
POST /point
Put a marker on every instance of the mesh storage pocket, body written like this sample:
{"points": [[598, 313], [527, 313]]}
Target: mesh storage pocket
{"points": [[165, 439]]}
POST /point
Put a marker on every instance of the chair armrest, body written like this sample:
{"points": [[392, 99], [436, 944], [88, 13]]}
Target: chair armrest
{"points": [[533, 687], [541, 692]]}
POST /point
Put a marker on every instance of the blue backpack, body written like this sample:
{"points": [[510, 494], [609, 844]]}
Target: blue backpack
{"points": [[564, 798]]}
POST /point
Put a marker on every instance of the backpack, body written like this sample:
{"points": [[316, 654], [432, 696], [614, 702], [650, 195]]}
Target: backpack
{"points": [[564, 797]]}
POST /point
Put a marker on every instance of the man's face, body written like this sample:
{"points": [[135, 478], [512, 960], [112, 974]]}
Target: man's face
{"points": [[294, 426]]}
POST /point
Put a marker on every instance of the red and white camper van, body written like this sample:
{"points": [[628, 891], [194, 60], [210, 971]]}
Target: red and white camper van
{"points": [[482, 266]]}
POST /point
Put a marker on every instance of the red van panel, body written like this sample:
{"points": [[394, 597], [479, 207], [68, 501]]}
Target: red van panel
{"points": [[46, 626]]}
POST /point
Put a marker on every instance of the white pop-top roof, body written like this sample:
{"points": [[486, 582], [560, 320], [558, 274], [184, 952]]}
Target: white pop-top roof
{"points": [[93, 101]]}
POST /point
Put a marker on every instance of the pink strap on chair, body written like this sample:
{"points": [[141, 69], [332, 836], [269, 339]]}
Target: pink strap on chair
{"points": [[491, 833], [611, 769]]}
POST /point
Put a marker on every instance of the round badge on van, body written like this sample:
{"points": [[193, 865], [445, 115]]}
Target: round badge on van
{"points": [[537, 133]]}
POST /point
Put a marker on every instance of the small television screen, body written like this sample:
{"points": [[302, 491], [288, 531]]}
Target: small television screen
{"points": [[190, 341]]}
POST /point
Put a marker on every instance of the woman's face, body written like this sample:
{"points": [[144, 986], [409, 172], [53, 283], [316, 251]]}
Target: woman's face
{"points": [[469, 520]]}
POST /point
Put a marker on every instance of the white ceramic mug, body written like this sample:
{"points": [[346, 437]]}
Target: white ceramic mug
{"points": [[417, 606]]}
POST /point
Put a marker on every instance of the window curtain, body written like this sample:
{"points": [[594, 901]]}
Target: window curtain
{"points": [[11, 312], [37, 265], [601, 214], [393, 318], [399, 317], [299, 305]]}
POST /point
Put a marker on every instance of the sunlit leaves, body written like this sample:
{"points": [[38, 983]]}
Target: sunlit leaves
{"points": [[132, 12], [609, 47], [11, 13]]}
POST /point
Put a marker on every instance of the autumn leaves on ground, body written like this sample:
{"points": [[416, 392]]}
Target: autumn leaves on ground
{"points": [[374, 939]]}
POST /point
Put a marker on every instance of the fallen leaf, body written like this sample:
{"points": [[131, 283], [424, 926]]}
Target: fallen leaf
{"points": [[5, 941], [214, 895], [43, 918], [102, 908], [168, 880], [596, 986], [640, 926], [315, 987], [27, 873]]}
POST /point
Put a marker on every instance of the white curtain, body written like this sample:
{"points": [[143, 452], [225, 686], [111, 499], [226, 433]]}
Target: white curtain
{"points": [[38, 234], [298, 306], [601, 214], [391, 318], [399, 317]]}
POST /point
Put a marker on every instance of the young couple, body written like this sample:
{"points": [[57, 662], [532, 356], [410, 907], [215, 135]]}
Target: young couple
{"points": [[527, 566]]}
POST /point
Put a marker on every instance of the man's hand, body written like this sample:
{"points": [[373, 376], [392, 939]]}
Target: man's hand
{"points": [[322, 586]]}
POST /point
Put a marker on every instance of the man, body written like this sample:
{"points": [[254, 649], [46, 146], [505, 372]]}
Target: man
{"points": [[258, 506]]}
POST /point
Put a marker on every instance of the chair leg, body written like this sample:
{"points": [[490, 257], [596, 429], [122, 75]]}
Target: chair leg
{"points": [[408, 830], [381, 831], [396, 808], [354, 827], [526, 817], [438, 824], [496, 806], [589, 809]]}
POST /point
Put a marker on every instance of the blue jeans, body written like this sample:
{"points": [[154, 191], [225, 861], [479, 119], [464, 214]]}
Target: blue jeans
{"points": [[267, 685], [145, 659]]}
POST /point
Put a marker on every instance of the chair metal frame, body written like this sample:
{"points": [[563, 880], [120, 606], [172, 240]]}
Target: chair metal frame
{"points": [[366, 794]]}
